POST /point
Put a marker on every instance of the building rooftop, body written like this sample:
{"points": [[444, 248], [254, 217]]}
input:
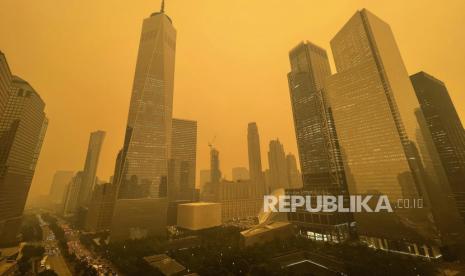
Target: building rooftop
{"points": [[200, 204], [165, 264], [264, 228]]}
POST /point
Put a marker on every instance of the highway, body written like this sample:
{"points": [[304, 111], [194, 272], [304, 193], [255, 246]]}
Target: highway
{"points": [[54, 259]]}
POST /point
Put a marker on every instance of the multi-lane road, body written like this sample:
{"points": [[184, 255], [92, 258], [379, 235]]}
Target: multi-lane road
{"points": [[54, 259]]}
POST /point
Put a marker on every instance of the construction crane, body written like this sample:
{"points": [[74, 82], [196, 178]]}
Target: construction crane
{"points": [[210, 144]]}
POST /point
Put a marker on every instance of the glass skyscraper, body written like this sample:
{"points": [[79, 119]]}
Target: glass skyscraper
{"points": [[319, 154], [181, 180], [90, 167], [142, 171], [446, 129], [22, 131], [384, 146]]}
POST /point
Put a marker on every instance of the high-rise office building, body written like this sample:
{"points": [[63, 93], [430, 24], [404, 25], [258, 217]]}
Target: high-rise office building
{"points": [[101, 206], [240, 173], [384, 147], [446, 129], [295, 178], [181, 179], [5, 82], [254, 154], [60, 182], [71, 195], [319, 155], [90, 167], [22, 130], [257, 175], [205, 177], [278, 166], [141, 207], [215, 172]]}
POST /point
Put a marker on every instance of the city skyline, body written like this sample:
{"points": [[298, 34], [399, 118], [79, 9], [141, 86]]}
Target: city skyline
{"points": [[355, 167], [230, 136]]}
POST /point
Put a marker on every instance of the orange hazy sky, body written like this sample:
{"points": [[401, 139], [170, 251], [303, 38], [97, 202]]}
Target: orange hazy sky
{"points": [[231, 65]]}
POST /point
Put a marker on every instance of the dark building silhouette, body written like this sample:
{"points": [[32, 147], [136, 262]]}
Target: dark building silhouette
{"points": [[215, 172], [446, 129], [257, 176], [60, 182], [181, 175], [22, 129], [254, 153], [278, 166], [100, 210], [89, 176]]}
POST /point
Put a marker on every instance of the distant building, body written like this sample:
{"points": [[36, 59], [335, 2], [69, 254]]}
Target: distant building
{"points": [[182, 168], [60, 182], [199, 215], [255, 158], [295, 178], [141, 206], [71, 196], [101, 206], [5, 83], [22, 130], [90, 167], [205, 176], [254, 153], [215, 172], [446, 129], [278, 166], [240, 173]]}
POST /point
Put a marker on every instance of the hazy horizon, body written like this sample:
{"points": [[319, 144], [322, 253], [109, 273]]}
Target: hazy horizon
{"points": [[231, 66]]}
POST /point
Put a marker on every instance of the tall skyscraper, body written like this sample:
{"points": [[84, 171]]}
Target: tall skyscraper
{"points": [[71, 195], [446, 129], [143, 168], [181, 180], [382, 139], [255, 157], [205, 176], [319, 155], [5, 82], [22, 130], [278, 166], [101, 206], [215, 172], [90, 167], [60, 182]]}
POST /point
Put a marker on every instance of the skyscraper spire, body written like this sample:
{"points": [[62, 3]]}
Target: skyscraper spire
{"points": [[162, 10]]}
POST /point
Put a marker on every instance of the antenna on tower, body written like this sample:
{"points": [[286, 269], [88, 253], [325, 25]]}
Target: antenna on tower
{"points": [[162, 10]]}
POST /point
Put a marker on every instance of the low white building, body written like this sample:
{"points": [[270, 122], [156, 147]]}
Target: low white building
{"points": [[199, 215]]}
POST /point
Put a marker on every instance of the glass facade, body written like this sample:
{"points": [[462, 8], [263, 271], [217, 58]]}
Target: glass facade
{"points": [[446, 129], [181, 178], [320, 158], [141, 172], [381, 134], [148, 138], [22, 130]]}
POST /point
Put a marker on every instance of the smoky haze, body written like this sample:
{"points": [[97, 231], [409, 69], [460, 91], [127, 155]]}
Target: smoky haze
{"points": [[231, 66]]}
